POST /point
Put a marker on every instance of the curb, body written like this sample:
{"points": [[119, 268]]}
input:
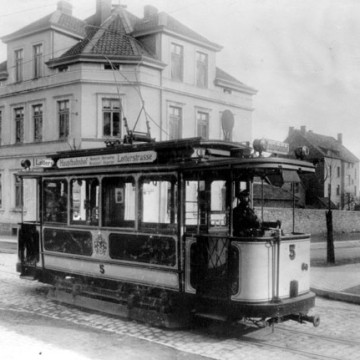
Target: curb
{"points": [[337, 295]]}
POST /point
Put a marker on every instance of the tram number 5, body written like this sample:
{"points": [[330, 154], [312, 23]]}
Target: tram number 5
{"points": [[102, 269], [292, 253]]}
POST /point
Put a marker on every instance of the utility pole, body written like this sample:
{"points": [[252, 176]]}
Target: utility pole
{"points": [[330, 258]]}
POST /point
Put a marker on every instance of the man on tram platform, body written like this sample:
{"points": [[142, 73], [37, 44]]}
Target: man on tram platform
{"points": [[245, 220]]}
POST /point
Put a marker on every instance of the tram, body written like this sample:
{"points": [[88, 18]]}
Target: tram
{"points": [[145, 230]]}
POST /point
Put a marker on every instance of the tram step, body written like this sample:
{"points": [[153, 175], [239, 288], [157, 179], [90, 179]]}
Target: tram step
{"points": [[211, 316], [28, 277]]}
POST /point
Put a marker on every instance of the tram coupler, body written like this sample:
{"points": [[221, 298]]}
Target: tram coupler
{"points": [[300, 318]]}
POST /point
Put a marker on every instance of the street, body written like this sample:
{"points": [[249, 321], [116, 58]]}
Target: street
{"points": [[48, 330]]}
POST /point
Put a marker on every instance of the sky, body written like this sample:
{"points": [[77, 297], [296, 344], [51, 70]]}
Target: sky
{"points": [[302, 56]]}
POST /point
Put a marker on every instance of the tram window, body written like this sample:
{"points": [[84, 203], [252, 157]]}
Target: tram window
{"points": [[205, 203], [55, 200], [68, 241], [195, 203], [118, 194], [159, 250], [159, 200], [85, 201], [218, 216]]}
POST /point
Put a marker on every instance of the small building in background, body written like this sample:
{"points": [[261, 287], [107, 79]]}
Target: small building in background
{"points": [[337, 170]]}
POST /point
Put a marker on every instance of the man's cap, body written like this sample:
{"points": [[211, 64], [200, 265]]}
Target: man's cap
{"points": [[244, 193]]}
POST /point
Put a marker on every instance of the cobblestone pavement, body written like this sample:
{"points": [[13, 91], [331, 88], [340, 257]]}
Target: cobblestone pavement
{"points": [[336, 338]]}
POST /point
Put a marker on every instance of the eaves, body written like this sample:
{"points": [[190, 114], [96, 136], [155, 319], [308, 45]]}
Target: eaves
{"points": [[99, 58], [235, 86], [57, 28], [163, 29]]}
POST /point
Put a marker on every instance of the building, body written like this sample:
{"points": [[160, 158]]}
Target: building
{"points": [[337, 169], [71, 83]]}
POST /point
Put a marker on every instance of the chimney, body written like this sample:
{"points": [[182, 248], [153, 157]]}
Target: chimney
{"points": [[291, 130], [103, 10], [339, 138], [303, 130], [65, 7], [149, 10]]}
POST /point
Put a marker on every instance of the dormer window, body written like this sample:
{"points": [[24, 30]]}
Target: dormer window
{"points": [[112, 67], [63, 68], [37, 51], [19, 65], [201, 69], [177, 52]]}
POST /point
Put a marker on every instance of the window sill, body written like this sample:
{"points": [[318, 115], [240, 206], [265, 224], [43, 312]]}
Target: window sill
{"points": [[18, 210]]}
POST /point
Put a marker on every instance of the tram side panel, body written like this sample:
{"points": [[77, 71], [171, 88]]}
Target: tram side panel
{"points": [[125, 257]]}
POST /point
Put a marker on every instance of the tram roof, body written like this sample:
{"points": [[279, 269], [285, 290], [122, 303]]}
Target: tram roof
{"points": [[186, 154]]}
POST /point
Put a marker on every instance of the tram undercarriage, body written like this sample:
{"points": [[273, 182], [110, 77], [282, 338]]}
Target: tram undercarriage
{"points": [[165, 308]]}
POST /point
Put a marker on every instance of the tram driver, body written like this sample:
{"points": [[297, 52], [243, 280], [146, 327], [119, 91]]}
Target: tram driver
{"points": [[245, 220]]}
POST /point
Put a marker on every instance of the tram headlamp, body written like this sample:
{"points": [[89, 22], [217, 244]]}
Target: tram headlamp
{"points": [[259, 145], [302, 152], [26, 164]]}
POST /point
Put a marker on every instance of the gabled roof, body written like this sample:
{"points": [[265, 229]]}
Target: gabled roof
{"points": [[225, 80], [322, 146], [57, 19], [164, 22]]}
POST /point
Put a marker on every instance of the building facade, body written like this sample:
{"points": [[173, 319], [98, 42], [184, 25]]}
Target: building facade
{"points": [[337, 169], [69, 84]]}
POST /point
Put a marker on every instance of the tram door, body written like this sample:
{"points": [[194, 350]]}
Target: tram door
{"points": [[29, 232], [210, 255]]}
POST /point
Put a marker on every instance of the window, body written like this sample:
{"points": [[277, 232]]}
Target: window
{"points": [[18, 65], [111, 117], [55, 200], [158, 201], [64, 117], [37, 60], [175, 122], [205, 203], [38, 122], [203, 124], [176, 62], [118, 194], [18, 192], [201, 69], [338, 190], [338, 171], [63, 68], [19, 125], [84, 201], [112, 66]]}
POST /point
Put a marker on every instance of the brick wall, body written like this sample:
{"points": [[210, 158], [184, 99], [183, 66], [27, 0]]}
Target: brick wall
{"points": [[313, 221]]}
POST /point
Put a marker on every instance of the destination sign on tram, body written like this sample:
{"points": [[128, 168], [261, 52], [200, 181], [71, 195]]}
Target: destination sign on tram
{"points": [[112, 159]]}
